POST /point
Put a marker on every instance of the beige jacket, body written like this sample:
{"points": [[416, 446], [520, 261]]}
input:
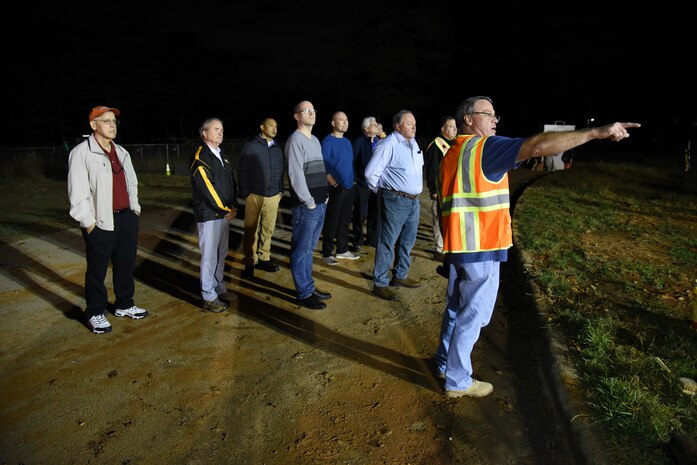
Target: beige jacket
{"points": [[90, 184]]}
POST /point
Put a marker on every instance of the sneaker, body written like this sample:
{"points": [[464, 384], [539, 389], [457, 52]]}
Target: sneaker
{"points": [[98, 324], [312, 302], [331, 261], [347, 256], [214, 306], [477, 389], [405, 282], [356, 248], [134, 312], [385, 293]]}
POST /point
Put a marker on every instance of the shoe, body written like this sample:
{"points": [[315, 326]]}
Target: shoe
{"points": [[248, 272], [267, 265], [312, 302], [406, 282], [98, 324], [214, 306], [477, 389], [438, 256], [356, 248], [134, 312], [385, 293], [321, 295], [347, 256], [331, 261]]}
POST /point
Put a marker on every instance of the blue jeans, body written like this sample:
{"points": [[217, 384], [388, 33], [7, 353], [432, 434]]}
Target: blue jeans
{"points": [[398, 222], [472, 289], [307, 226]]}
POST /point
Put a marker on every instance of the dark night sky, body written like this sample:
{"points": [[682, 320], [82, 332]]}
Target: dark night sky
{"points": [[169, 71]]}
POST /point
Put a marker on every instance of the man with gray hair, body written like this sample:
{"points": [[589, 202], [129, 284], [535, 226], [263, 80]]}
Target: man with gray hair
{"points": [[103, 192], [395, 174], [362, 152], [214, 192], [476, 226]]}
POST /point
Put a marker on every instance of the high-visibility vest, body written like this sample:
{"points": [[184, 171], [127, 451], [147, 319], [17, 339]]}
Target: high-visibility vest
{"points": [[442, 144], [475, 214]]}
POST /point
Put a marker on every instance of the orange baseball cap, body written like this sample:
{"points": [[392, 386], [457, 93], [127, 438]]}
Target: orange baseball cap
{"points": [[96, 111]]}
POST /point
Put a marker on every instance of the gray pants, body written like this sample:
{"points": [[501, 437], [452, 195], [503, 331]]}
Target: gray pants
{"points": [[213, 241]]}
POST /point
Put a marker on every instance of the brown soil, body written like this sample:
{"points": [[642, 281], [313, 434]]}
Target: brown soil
{"points": [[268, 381]]}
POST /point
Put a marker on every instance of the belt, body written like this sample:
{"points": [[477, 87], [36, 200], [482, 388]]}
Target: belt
{"points": [[116, 212], [404, 194]]}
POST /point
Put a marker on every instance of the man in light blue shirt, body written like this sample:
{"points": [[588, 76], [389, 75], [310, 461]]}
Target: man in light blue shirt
{"points": [[395, 174]]}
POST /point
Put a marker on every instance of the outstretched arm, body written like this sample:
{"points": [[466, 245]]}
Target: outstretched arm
{"points": [[550, 143]]}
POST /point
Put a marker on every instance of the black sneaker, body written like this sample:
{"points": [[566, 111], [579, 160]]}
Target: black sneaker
{"points": [[312, 302], [248, 272]]}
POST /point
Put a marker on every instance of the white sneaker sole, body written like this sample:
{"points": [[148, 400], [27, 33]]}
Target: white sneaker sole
{"points": [[135, 317]]}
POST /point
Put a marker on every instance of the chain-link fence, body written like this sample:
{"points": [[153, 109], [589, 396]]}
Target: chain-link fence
{"points": [[52, 162]]}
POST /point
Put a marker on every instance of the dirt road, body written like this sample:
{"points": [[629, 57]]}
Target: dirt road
{"points": [[267, 382]]}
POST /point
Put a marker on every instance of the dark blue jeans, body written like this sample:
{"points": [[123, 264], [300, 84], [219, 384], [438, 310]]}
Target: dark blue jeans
{"points": [[307, 226], [398, 222]]}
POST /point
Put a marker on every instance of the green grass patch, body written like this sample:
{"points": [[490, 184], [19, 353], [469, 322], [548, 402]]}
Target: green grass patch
{"points": [[613, 248]]}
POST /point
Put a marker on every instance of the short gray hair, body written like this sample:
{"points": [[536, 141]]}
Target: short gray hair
{"points": [[397, 118], [466, 107], [366, 122], [206, 123]]}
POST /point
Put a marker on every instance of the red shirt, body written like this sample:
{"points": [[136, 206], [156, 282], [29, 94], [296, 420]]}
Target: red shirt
{"points": [[120, 194]]}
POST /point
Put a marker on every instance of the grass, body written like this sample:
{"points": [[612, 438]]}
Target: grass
{"points": [[612, 248]]}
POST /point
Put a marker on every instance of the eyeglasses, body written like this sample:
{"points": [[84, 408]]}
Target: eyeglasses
{"points": [[308, 111], [493, 116], [112, 122]]}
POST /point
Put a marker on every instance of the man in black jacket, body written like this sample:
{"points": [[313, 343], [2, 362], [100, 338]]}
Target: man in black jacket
{"points": [[434, 153], [215, 204], [364, 207], [261, 167]]}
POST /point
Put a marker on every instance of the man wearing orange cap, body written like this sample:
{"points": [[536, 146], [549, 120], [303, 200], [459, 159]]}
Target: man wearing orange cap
{"points": [[103, 192]]}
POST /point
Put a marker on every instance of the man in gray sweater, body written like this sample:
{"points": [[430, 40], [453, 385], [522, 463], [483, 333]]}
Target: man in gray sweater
{"points": [[308, 202]]}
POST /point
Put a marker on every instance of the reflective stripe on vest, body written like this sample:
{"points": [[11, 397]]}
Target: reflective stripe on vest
{"points": [[472, 203]]}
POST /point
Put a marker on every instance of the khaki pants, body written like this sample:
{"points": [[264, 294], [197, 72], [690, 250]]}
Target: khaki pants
{"points": [[259, 223]]}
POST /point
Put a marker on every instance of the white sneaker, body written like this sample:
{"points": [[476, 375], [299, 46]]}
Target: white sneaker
{"points": [[134, 312], [476, 389], [98, 324], [348, 256], [330, 261]]}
